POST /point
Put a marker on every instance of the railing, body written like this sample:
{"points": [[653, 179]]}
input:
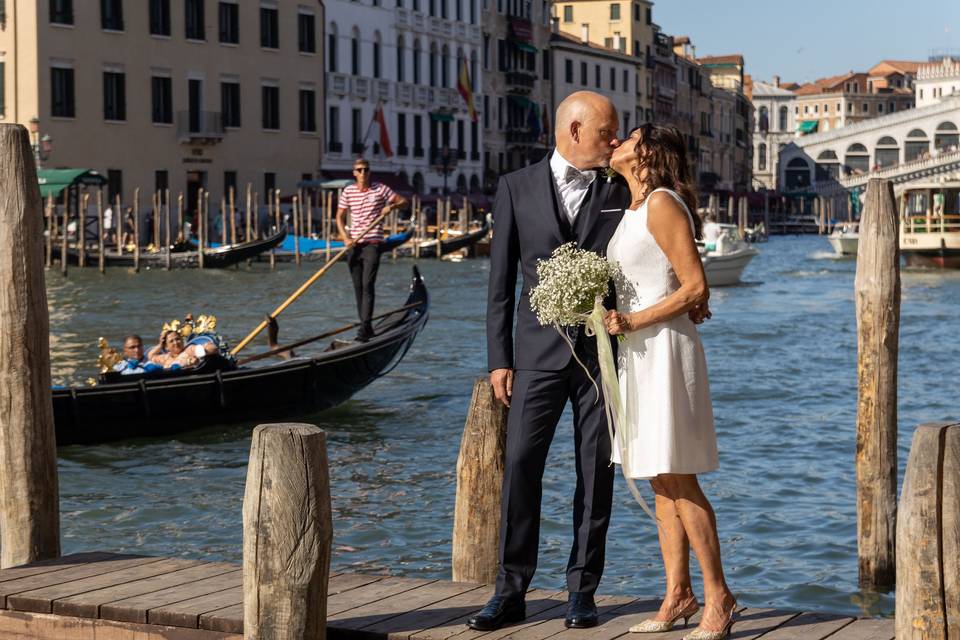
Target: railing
{"points": [[523, 79], [338, 83], [405, 93], [199, 125], [948, 223], [359, 87], [382, 89], [899, 172], [335, 147]]}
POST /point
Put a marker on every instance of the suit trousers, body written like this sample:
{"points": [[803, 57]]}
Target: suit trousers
{"points": [[539, 398], [364, 262]]}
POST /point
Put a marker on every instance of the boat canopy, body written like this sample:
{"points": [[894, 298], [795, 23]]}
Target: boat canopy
{"points": [[54, 181]]}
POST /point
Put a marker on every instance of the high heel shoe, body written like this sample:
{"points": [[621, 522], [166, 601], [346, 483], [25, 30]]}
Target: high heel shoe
{"points": [[659, 626], [701, 634]]}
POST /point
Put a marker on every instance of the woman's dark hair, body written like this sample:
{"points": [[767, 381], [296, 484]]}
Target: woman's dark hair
{"points": [[663, 153]]}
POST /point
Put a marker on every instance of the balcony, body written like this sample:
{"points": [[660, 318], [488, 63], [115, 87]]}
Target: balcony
{"points": [[199, 127], [335, 147], [441, 27], [356, 148], [424, 96], [405, 93], [338, 84], [359, 87], [381, 90], [521, 81]]}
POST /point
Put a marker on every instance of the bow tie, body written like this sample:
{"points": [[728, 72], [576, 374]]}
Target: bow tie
{"points": [[574, 175]]}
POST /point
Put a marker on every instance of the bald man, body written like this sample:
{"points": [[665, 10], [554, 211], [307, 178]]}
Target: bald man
{"points": [[563, 198]]}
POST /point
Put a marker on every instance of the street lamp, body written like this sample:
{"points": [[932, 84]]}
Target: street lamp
{"points": [[42, 144]]}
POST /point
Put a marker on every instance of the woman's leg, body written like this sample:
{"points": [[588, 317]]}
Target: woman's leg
{"points": [[700, 525], [675, 549]]}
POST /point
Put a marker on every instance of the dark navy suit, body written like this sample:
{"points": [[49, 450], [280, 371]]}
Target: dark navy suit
{"points": [[528, 225]]}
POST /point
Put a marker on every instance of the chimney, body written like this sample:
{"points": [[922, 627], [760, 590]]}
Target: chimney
{"points": [[585, 33], [776, 81]]}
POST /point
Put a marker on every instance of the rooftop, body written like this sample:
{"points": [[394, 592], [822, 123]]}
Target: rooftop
{"points": [[573, 41], [768, 89], [735, 58]]}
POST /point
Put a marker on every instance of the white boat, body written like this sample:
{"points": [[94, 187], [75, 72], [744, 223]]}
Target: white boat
{"points": [[844, 238], [724, 264]]}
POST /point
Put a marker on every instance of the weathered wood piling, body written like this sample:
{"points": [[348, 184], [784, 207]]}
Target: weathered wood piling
{"points": [[29, 494], [877, 286], [476, 518]]}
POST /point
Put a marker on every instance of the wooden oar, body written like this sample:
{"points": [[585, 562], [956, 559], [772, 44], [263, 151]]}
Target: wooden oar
{"points": [[332, 332], [306, 285]]}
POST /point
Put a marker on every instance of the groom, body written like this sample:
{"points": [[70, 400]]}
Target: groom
{"points": [[563, 198]]}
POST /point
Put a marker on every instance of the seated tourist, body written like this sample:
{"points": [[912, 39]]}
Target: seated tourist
{"points": [[171, 353], [133, 360]]}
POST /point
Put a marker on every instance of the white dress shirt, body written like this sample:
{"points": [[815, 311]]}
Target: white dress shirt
{"points": [[572, 184]]}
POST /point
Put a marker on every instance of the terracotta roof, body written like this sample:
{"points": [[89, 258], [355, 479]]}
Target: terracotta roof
{"points": [[903, 66], [566, 38], [730, 59]]}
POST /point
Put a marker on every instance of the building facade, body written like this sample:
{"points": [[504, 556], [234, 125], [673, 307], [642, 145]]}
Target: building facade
{"points": [[517, 112], [404, 60], [937, 79], [729, 166], [178, 95], [774, 126]]}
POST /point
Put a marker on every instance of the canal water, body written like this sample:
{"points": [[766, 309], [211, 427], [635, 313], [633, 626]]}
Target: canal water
{"points": [[781, 351]]}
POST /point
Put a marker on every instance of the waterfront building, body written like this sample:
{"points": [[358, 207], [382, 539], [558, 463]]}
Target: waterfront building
{"points": [[392, 78], [937, 79], [583, 65], [692, 107], [626, 26], [160, 94], [774, 127], [728, 166], [517, 92]]}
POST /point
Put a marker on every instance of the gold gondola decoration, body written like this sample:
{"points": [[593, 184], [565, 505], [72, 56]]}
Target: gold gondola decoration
{"points": [[108, 356]]}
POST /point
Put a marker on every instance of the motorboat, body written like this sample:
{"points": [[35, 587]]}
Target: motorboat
{"points": [[844, 238], [726, 260]]}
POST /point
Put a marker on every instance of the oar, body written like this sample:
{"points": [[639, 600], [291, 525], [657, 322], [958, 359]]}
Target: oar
{"points": [[306, 285], [332, 332]]}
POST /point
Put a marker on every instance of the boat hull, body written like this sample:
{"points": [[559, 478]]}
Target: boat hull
{"points": [[303, 385], [726, 270], [932, 258], [844, 245]]}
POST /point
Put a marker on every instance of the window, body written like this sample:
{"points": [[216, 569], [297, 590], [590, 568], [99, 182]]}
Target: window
{"points": [[269, 28], [333, 137], [583, 73], [445, 67], [545, 63], [596, 76], [433, 64], [230, 103], [636, 12], [402, 134], [649, 15], [568, 13], [229, 19], [879, 107], [376, 56], [474, 141], [162, 99], [269, 185], [418, 136], [615, 11], [160, 17], [416, 62], [61, 12], [306, 32], [762, 157], [308, 110], [866, 107], [459, 12], [608, 43], [356, 127], [270, 101], [568, 70], [111, 15], [626, 81], [443, 9], [486, 111], [355, 53], [62, 104], [486, 52], [194, 20], [114, 184], [401, 75], [229, 182], [114, 96], [613, 79], [461, 141], [161, 182], [332, 49]]}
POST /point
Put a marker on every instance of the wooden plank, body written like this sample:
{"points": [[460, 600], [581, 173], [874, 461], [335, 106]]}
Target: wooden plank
{"points": [[347, 581], [228, 619], [135, 609], [372, 592], [554, 625], [867, 629], [186, 613], [87, 605], [617, 622], [753, 623], [540, 606], [42, 600], [382, 612], [53, 564], [437, 614], [79, 572], [808, 626], [22, 625]]}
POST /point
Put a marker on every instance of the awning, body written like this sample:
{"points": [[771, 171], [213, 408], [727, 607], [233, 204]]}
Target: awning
{"points": [[520, 101], [524, 46], [441, 117], [808, 126], [54, 181]]}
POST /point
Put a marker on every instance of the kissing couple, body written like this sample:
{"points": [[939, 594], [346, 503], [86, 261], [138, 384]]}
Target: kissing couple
{"points": [[645, 221]]}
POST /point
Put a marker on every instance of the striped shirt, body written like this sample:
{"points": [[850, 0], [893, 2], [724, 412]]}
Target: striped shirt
{"points": [[365, 207]]}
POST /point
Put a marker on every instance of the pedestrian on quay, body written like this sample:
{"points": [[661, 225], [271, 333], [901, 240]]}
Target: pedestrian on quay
{"points": [[366, 201]]}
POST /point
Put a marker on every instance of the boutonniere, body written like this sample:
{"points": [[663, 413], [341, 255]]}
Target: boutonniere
{"points": [[609, 174]]}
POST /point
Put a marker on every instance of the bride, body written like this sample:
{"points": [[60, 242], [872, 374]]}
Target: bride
{"points": [[668, 434]]}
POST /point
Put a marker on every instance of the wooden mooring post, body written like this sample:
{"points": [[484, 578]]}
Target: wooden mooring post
{"points": [[877, 290], [476, 516], [29, 494], [287, 534], [928, 537]]}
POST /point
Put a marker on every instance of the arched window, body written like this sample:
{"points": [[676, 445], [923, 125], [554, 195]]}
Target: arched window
{"points": [[828, 166], [376, 54], [946, 137], [784, 117], [916, 146], [332, 48], [404, 178], [418, 186], [474, 184], [401, 72], [857, 159], [355, 52], [887, 152], [763, 120], [798, 174], [433, 64], [762, 157], [473, 11], [461, 183], [416, 61], [445, 67]]}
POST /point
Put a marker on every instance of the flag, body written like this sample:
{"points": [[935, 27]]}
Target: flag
{"points": [[466, 89], [380, 122]]}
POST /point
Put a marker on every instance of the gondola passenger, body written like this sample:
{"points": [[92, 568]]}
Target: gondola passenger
{"points": [[170, 352]]}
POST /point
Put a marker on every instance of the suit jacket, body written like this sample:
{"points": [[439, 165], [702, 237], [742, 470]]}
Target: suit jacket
{"points": [[527, 226]]}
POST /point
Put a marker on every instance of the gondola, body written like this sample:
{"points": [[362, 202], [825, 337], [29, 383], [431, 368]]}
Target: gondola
{"points": [[311, 249], [220, 392], [218, 257], [428, 248]]}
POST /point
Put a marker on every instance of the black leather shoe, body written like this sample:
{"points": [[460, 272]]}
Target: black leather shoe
{"points": [[500, 610], [581, 611]]}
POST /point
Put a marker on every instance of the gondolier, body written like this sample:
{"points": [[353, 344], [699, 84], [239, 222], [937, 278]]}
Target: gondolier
{"points": [[365, 200]]}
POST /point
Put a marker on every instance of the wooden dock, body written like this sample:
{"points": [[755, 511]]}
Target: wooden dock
{"points": [[112, 596]]}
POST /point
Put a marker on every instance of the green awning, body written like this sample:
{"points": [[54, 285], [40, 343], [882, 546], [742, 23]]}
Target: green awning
{"points": [[524, 46], [53, 181], [441, 117], [808, 126], [520, 101]]}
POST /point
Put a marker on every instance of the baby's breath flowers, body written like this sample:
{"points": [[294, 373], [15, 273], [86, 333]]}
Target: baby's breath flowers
{"points": [[570, 282]]}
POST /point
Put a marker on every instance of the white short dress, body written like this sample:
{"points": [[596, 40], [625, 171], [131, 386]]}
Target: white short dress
{"points": [[662, 368]]}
